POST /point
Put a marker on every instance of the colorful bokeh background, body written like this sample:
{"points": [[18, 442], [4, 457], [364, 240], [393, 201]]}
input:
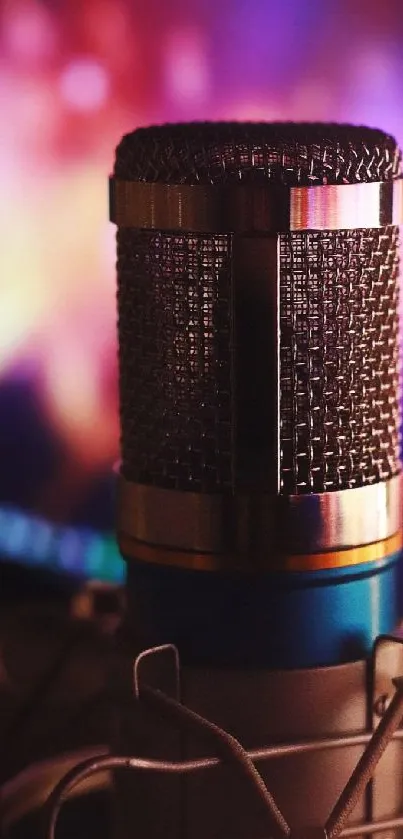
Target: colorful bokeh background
{"points": [[74, 76]]}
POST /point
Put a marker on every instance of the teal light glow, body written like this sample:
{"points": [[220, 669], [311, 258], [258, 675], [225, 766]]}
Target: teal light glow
{"points": [[82, 552]]}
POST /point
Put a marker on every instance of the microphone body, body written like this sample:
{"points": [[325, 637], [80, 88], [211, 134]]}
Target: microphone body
{"points": [[260, 489]]}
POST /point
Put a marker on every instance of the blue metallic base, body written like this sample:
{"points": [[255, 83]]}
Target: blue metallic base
{"points": [[274, 620]]}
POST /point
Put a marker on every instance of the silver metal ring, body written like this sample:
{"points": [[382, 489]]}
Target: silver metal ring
{"points": [[344, 518], [298, 524], [254, 208]]}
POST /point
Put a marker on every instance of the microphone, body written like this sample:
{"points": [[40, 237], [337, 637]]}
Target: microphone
{"points": [[259, 491]]}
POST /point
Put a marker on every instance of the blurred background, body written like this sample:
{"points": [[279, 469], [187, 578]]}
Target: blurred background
{"points": [[74, 76]]}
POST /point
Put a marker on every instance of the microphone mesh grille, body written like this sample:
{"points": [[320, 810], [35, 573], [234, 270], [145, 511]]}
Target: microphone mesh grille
{"points": [[175, 331], [339, 413], [339, 359], [290, 153]]}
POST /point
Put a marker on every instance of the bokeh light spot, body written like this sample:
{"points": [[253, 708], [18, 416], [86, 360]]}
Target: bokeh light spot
{"points": [[29, 32], [186, 66], [84, 84]]}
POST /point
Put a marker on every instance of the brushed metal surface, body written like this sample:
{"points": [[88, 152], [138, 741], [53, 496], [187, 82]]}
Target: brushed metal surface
{"points": [[259, 522], [257, 208]]}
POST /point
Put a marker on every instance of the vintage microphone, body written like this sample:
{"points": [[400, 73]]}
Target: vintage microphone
{"points": [[259, 490]]}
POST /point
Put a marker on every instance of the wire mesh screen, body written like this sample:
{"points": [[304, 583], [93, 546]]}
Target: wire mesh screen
{"points": [[175, 359], [338, 317], [290, 153], [339, 409]]}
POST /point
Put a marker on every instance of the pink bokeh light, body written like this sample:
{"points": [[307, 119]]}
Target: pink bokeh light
{"points": [[186, 68], [30, 35], [84, 84]]}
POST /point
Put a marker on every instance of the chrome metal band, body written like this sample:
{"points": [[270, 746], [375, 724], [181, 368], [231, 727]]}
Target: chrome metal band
{"points": [[254, 208], [261, 562], [257, 524]]}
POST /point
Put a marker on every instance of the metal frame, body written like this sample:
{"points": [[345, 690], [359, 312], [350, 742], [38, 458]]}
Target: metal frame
{"points": [[386, 719]]}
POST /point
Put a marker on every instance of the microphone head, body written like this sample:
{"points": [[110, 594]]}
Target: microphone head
{"points": [[186, 404], [295, 154], [259, 356]]}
